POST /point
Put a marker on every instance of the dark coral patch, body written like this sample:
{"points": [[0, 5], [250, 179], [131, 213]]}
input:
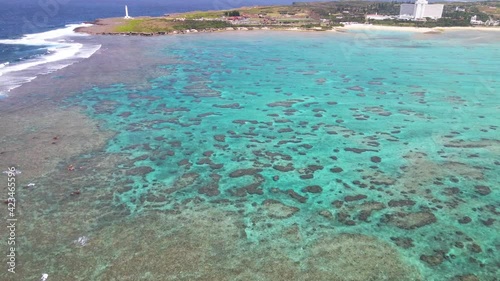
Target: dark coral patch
{"points": [[451, 191], [220, 138], [184, 162], [287, 103], [488, 222], [337, 203], [475, 248], [465, 220], [375, 159], [208, 153], [401, 203], [433, 260], [244, 172], [336, 170], [403, 242], [296, 196], [356, 88], [285, 130], [482, 190], [306, 146], [139, 171], [314, 168], [359, 150], [312, 189], [125, 114], [326, 214], [355, 197], [253, 188], [232, 105], [286, 168], [307, 176], [210, 190]]}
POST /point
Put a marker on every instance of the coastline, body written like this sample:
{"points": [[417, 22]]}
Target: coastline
{"points": [[415, 29], [108, 26]]}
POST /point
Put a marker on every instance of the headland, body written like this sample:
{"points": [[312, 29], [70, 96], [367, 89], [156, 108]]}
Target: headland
{"points": [[319, 16]]}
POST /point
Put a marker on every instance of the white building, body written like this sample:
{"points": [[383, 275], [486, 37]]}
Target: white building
{"points": [[475, 21], [378, 17], [490, 22], [420, 10]]}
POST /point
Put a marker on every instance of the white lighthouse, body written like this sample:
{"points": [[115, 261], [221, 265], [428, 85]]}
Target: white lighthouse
{"points": [[126, 13]]}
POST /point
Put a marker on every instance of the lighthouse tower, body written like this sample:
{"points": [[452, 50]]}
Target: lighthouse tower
{"points": [[420, 8], [126, 13]]}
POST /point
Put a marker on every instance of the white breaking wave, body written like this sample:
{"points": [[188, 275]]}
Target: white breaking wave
{"points": [[62, 52]]}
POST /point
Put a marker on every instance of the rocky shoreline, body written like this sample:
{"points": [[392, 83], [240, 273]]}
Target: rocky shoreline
{"points": [[107, 27], [189, 31]]}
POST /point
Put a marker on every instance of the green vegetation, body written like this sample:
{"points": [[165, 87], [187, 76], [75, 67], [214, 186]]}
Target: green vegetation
{"points": [[199, 25], [155, 25], [146, 25], [199, 15], [134, 25], [232, 14]]}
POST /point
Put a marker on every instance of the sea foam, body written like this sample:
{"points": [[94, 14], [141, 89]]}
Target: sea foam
{"points": [[62, 51]]}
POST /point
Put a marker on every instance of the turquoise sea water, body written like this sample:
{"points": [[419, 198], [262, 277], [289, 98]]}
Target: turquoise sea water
{"points": [[390, 135], [395, 134]]}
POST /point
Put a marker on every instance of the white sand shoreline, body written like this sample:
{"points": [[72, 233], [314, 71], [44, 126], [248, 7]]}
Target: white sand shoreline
{"points": [[413, 29]]}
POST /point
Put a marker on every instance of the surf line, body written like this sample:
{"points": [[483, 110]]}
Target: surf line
{"points": [[62, 51]]}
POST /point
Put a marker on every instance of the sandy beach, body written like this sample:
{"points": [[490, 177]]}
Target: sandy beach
{"points": [[413, 29]]}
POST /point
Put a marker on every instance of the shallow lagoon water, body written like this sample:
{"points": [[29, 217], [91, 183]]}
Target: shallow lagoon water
{"points": [[289, 156]]}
